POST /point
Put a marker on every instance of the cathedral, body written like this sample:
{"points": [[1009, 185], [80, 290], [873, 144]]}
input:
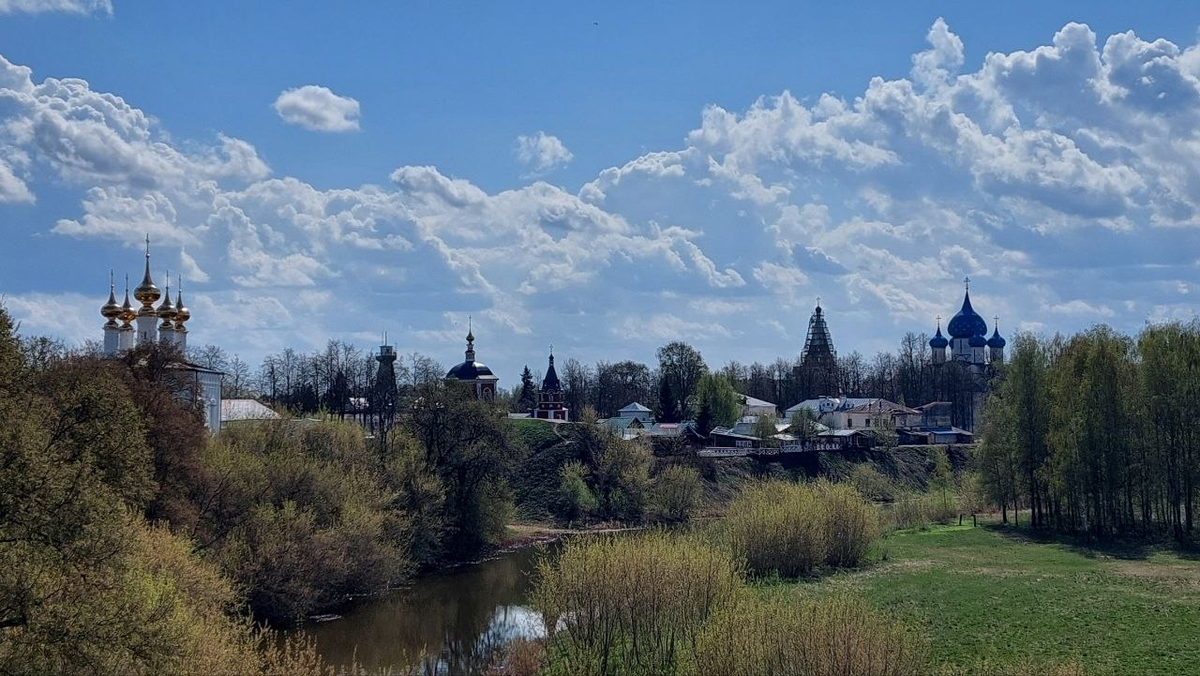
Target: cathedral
{"points": [[142, 326], [968, 342], [126, 328]]}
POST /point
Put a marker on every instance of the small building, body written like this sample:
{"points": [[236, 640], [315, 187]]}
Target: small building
{"points": [[752, 406], [551, 399], [636, 410], [825, 409], [878, 414], [234, 411], [477, 377]]}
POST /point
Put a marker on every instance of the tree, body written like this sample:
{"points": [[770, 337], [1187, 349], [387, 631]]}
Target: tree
{"points": [[717, 402], [527, 398], [682, 367], [676, 493], [471, 448]]}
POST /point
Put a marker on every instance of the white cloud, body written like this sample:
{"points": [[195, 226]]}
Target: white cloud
{"points": [[317, 108], [1067, 171], [65, 6], [541, 152]]}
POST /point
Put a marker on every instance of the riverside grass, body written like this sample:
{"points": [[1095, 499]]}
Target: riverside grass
{"points": [[679, 603], [995, 600], [786, 529]]}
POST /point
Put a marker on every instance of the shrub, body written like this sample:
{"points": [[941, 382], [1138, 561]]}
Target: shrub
{"points": [[791, 530], [776, 527], [575, 498], [851, 524], [630, 604], [836, 635], [921, 510], [675, 493], [872, 483]]}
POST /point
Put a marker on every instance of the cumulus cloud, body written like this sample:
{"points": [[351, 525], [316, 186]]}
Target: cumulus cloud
{"points": [[1063, 178], [541, 152], [65, 6], [317, 108]]}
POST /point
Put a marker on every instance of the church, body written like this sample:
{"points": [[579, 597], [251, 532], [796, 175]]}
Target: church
{"points": [[126, 328], [968, 343], [474, 375]]}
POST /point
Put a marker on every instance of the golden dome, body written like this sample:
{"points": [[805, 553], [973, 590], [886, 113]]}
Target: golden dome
{"points": [[127, 312], [147, 292], [182, 314], [166, 311], [111, 310]]}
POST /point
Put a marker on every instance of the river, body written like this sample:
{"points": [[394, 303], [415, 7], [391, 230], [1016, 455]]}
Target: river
{"points": [[446, 623]]}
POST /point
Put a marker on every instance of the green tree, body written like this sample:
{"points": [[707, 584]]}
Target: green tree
{"points": [[528, 397], [682, 367], [717, 403]]}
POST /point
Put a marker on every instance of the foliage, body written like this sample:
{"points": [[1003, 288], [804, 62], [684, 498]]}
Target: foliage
{"points": [[1098, 433], [681, 367], [793, 530], [306, 515], [717, 403], [676, 493], [834, 635], [527, 397], [472, 449], [576, 498], [630, 605]]}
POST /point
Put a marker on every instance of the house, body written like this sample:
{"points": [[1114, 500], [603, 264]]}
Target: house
{"points": [[636, 410], [877, 414], [753, 407], [825, 409], [927, 436]]}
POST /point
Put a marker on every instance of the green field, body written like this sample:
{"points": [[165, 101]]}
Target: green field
{"points": [[994, 596]]}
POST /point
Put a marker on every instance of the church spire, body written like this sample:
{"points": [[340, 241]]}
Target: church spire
{"points": [[470, 341]]}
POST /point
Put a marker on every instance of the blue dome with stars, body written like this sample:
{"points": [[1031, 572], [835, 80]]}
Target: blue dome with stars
{"points": [[967, 323], [938, 341], [996, 341]]}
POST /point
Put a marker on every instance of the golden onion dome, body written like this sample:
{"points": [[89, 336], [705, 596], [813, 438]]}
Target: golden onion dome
{"points": [[182, 314], [147, 292], [167, 310], [111, 310], [127, 312]]}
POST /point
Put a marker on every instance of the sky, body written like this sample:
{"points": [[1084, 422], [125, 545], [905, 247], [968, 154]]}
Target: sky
{"points": [[603, 177]]}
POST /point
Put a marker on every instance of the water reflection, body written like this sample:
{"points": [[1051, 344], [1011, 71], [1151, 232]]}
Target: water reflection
{"points": [[448, 623]]}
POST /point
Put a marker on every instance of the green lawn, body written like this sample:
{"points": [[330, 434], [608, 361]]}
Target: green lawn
{"points": [[983, 594]]}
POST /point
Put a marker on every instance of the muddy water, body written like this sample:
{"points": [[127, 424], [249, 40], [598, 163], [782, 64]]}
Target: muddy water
{"points": [[446, 623]]}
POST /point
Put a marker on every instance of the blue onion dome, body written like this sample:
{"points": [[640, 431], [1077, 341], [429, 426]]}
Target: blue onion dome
{"points": [[996, 340], [977, 340], [938, 341], [967, 323]]}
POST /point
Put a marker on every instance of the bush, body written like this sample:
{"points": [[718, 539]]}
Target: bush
{"points": [[630, 604], [576, 500], [836, 635], [872, 483], [921, 510], [792, 530], [675, 493]]}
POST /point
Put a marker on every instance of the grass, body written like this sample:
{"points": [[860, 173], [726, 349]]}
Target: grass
{"points": [[990, 596]]}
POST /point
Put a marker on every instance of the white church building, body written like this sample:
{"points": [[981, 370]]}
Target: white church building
{"points": [[127, 328]]}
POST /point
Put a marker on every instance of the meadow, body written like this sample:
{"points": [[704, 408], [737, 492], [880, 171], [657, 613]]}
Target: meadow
{"points": [[991, 599]]}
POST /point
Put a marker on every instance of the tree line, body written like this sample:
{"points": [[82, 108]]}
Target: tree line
{"points": [[1098, 433], [340, 378]]}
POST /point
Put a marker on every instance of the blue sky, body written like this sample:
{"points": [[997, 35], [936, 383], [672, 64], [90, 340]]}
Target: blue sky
{"points": [[688, 170]]}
